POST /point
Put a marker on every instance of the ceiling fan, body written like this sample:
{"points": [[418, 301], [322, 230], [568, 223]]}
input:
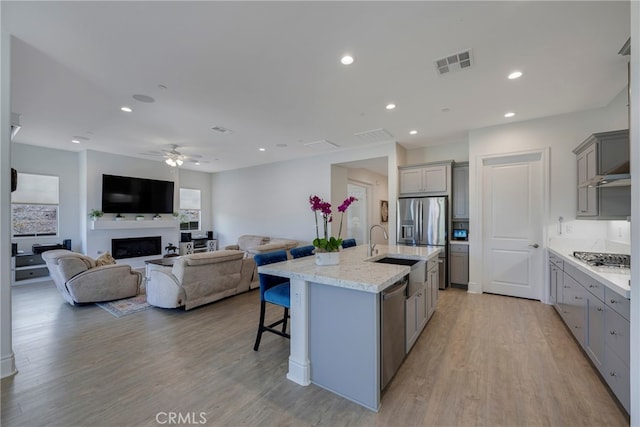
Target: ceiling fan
{"points": [[174, 158]]}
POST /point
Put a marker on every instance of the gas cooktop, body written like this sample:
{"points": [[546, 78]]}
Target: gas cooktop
{"points": [[598, 259]]}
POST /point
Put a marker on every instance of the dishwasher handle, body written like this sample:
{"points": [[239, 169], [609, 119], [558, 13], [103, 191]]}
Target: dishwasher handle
{"points": [[393, 291]]}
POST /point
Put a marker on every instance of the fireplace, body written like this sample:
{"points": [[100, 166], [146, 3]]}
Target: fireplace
{"points": [[136, 247]]}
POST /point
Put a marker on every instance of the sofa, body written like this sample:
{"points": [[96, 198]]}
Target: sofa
{"points": [[80, 279], [251, 244], [199, 279]]}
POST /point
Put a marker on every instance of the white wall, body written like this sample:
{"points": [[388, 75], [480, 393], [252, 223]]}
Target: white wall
{"points": [[273, 199], [635, 212], [7, 358], [458, 151], [561, 134], [63, 164], [98, 163]]}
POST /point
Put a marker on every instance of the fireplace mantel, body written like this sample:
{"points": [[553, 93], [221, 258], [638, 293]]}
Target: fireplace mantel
{"points": [[132, 224]]}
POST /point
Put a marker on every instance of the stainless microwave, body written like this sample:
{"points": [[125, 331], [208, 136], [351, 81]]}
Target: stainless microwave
{"points": [[460, 234]]}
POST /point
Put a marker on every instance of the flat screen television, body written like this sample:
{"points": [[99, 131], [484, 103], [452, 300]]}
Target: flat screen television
{"points": [[122, 194]]}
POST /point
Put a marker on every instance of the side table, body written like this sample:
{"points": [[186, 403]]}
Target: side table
{"points": [[156, 264]]}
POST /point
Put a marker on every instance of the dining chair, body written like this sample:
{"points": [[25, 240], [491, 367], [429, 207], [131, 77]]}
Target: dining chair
{"points": [[274, 290], [302, 251], [348, 243]]}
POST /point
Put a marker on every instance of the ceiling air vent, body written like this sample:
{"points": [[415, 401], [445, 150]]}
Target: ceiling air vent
{"points": [[454, 62], [222, 130], [376, 135], [321, 144]]}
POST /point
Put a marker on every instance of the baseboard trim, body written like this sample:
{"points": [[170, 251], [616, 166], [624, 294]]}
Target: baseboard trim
{"points": [[8, 366], [474, 288]]}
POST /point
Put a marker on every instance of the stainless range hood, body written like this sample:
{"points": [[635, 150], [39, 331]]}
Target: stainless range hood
{"points": [[618, 177], [15, 124]]}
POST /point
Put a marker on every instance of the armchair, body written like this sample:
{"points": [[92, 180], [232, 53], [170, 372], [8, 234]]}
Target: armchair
{"points": [[79, 280]]}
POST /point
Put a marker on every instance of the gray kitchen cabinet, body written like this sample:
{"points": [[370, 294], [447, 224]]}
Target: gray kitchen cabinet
{"points": [[599, 320], [601, 154], [594, 343], [617, 347], [416, 316], [433, 286], [574, 302], [459, 264], [556, 271], [460, 193], [429, 178], [587, 203]]}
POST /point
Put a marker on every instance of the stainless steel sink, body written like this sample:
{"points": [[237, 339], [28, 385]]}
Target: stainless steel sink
{"points": [[397, 261]]}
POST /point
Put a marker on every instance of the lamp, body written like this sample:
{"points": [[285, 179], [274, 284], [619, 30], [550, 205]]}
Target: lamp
{"points": [[173, 162]]}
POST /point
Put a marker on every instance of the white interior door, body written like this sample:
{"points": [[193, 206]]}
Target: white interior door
{"points": [[513, 207], [357, 214]]}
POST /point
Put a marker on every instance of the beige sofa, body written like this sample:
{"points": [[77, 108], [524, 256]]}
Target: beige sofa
{"points": [[252, 244], [199, 279], [80, 280]]}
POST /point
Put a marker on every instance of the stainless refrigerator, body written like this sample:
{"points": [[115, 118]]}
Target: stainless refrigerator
{"points": [[423, 221]]}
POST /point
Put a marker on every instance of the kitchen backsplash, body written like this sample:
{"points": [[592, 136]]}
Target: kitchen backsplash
{"points": [[592, 236]]}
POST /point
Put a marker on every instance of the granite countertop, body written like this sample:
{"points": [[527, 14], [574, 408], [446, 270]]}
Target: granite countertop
{"points": [[356, 270], [616, 279]]}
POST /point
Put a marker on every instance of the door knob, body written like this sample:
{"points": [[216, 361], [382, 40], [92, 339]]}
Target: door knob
{"points": [[535, 246]]}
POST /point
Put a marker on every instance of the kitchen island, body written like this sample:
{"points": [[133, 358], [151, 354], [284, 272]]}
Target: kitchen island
{"points": [[336, 318]]}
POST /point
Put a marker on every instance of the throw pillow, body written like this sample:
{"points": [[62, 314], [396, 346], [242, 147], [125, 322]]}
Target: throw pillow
{"points": [[105, 259]]}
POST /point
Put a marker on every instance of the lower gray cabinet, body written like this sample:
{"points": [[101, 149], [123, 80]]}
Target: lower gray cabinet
{"points": [[599, 320], [617, 347], [416, 317], [594, 344]]}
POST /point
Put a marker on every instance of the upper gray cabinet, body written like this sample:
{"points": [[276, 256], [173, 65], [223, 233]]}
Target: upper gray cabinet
{"points": [[425, 179], [604, 190], [460, 191]]}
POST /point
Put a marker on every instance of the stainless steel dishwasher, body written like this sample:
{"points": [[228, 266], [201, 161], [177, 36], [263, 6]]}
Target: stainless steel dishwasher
{"points": [[393, 329]]}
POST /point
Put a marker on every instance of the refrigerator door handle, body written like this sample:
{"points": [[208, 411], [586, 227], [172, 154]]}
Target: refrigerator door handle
{"points": [[419, 222]]}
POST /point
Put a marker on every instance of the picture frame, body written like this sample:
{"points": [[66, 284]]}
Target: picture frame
{"points": [[384, 211]]}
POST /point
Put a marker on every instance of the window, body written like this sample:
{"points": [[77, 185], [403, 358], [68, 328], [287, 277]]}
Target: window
{"points": [[189, 209], [34, 206]]}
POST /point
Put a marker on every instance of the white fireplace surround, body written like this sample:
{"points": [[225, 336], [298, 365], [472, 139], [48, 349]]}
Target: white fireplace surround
{"points": [[100, 234]]}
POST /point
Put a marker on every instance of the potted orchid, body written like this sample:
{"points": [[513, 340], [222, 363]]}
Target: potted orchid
{"points": [[327, 244]]}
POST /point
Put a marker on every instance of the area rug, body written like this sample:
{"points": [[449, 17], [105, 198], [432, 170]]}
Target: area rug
{"points": [[124, 307]]}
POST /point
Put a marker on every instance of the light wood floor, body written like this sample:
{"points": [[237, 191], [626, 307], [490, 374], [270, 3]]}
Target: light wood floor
{"points": [[483, 360]]}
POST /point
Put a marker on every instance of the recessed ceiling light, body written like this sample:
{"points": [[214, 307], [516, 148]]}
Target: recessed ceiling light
{"points": [[197, 163], [262, 149], [126, 109], [515, 75], [75, 141], [413, 132], [509, 114], [347, 60], [390, 106]]}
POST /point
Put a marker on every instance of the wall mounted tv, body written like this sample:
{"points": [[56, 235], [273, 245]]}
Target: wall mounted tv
{"points": [[122, 194]]}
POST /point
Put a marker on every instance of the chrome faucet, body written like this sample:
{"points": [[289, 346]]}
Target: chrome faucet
{"points": [[371, 244]]}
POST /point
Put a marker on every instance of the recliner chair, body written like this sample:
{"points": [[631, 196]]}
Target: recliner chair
{"points": [[79, 280]]}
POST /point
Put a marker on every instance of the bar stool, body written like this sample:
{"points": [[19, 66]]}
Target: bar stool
{"points": [[274, 290]]}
